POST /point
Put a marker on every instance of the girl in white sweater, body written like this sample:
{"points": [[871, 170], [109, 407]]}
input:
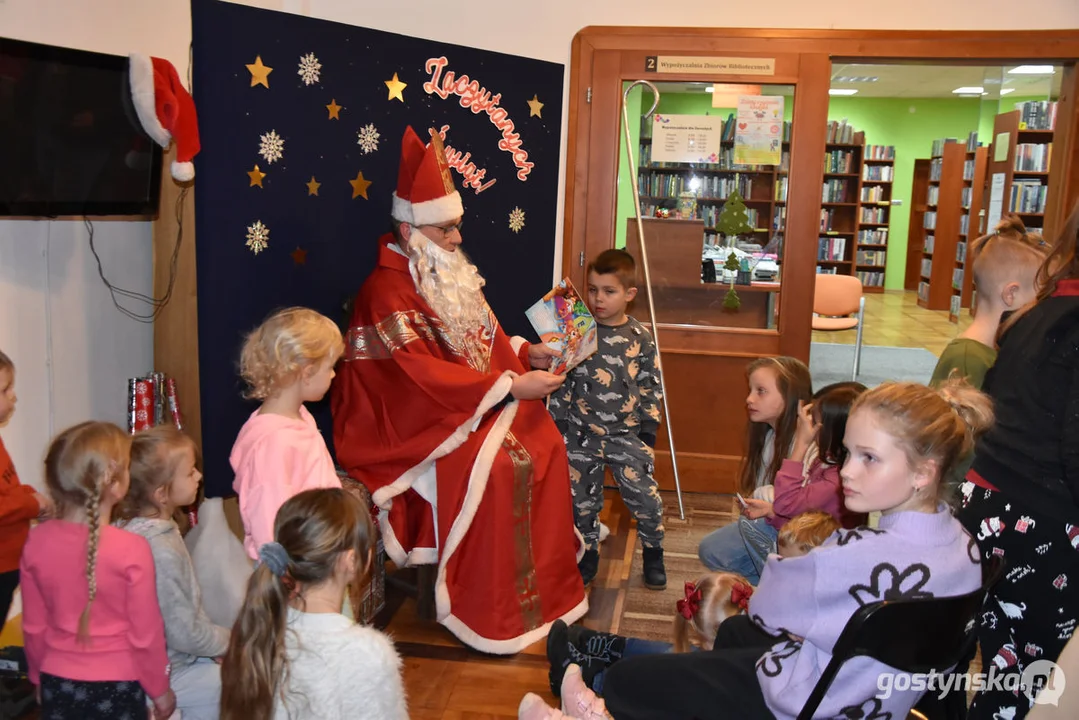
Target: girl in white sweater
{"points": [[292, 654]]}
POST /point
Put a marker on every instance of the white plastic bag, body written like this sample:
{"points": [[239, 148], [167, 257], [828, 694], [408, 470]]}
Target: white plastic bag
{"points": [[221, 564]]}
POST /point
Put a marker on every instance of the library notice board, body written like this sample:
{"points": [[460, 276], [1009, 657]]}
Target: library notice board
{"points": [[686, 138], [758, 134]]}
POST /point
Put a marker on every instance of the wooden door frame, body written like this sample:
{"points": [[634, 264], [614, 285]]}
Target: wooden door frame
{"points": [[817, 50]]}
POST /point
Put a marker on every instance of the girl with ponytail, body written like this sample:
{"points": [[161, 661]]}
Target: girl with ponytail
{"points": [[95, 641], [292, 654]]}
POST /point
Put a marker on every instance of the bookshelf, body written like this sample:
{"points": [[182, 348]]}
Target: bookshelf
{"points": [[840, 192], [970, 225], [874, 215], [763, 187], [941, 224], [1028, 131]]}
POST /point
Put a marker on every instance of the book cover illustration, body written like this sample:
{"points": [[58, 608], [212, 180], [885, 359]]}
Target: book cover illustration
{"points": [[562, 320]]}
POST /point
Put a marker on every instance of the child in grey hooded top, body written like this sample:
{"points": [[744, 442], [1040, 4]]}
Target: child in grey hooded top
{"points": [[163, 479]]}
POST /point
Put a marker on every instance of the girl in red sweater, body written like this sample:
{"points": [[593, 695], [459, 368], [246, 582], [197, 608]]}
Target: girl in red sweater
{"points": [[95, 641], [19, 504]]}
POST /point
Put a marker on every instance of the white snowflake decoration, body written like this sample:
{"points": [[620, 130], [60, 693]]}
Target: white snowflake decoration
{"points": [[517, 219], [309, 67], [271, 146], [258, 237], [368, 138]]}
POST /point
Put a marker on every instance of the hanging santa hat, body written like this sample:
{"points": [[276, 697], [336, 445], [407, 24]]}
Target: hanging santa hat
{"points": [[165, 109], [425, 187]]}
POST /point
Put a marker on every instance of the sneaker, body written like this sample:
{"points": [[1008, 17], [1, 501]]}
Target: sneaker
{"points": [[589, 566], [558, 654], [604, 532], [655, 576], [533, 707], [578, 701]]}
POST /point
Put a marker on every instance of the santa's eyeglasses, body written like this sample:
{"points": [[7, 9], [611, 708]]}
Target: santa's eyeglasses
{"points": [[447, 230]]}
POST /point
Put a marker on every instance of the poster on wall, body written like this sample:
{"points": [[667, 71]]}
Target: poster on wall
{"points": [[996, 201], [686, 138], [758, 132], [301, 122]]}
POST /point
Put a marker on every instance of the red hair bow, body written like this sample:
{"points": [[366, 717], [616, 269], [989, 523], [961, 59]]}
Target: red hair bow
{"points": [[740, 594], [691, 603]]}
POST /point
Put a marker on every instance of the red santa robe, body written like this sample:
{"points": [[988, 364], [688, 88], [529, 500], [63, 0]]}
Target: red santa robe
{"points": [[462, 478]]}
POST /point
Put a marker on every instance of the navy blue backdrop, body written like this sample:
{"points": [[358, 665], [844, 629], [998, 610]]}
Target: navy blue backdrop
{"points": [[308, 125]]}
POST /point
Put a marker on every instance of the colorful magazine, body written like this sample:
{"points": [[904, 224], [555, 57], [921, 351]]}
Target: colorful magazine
{"points": [[562, 320]]}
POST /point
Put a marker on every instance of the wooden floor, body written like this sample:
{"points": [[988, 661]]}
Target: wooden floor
{"points": [[893, 318]]}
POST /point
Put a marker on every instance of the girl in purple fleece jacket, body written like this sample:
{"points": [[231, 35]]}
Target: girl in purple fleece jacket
{"points": [[901, 439]]}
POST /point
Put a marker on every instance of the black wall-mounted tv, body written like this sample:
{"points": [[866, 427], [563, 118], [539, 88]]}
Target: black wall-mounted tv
{"points": [[70, 142]]}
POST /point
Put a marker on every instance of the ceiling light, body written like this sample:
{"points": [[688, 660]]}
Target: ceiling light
{"points": [[1032, 70], [854, 79], [842, 91], [710, 88], [975, 90], [1005, 91]]}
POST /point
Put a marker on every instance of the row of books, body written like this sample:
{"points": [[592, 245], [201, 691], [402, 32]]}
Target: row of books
{"points": [[933, 195], [874, 193], [923, 291], [968, 169], [927, 267], [964, 224], [1028, 196], [781, 189], [874, 258], [956, 305], [827, 219], [873, 237], [927, 246], [835, 191], [957, 279], [874, 215], [831, 248], [1033, 157], [972, 143], [936, 166], [878, 173], [961, 252], [840, 132], [966, 196], [779, 218], [929, 220], [827, 270], [880, 152], [1037, 114], [839, 161], [871, 278], [938, 146]]}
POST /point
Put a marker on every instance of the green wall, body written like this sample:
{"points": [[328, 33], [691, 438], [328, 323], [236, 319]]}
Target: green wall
{"points": [[911, 124]]}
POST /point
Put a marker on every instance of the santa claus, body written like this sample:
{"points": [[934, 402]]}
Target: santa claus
{"points": [[440, 415]]}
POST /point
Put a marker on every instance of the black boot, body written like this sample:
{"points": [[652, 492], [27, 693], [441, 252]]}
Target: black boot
{"points": [[592, 651], [655, 576], [589, 566]]}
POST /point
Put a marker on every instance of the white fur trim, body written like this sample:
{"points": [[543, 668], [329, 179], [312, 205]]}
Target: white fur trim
{"points": [[516, 342], [439, 210], [513, 645], [401, 210], [183, 171], [418, 556], [141, 74]]}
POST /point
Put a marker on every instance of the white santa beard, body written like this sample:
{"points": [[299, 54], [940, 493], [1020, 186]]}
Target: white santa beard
{"points": [[450, 284]]}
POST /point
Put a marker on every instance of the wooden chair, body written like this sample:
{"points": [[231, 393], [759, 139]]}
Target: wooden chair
{"points": [[914, 636], [835, 299]]}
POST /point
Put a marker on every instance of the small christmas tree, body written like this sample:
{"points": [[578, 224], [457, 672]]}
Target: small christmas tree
{"points": [[733, 221]]}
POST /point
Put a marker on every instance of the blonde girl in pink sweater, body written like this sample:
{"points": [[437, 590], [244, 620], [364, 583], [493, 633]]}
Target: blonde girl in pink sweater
{"points": [[95, 641], [287, 361]]}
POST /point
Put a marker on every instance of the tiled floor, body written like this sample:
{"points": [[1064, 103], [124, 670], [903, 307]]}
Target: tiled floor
{"points": [[893, 318]]}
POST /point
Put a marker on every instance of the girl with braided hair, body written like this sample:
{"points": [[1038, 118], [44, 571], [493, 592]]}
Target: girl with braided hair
{"points": [[95, 641]]}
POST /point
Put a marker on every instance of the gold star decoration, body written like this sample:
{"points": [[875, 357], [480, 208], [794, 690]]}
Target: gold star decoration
{"points": [[396, 87], [299, 256], [260, 74], [534, 107], [313, 186], [256, 176], [359, 186], [334, 109]]}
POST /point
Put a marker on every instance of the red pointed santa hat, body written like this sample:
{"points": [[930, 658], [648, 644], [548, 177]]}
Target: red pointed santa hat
{"points": [[425, 193], [165, 109]]}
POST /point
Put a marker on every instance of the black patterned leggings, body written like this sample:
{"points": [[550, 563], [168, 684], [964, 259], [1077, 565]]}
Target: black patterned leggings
{"points": [[1032, 611], [63, 699]]}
